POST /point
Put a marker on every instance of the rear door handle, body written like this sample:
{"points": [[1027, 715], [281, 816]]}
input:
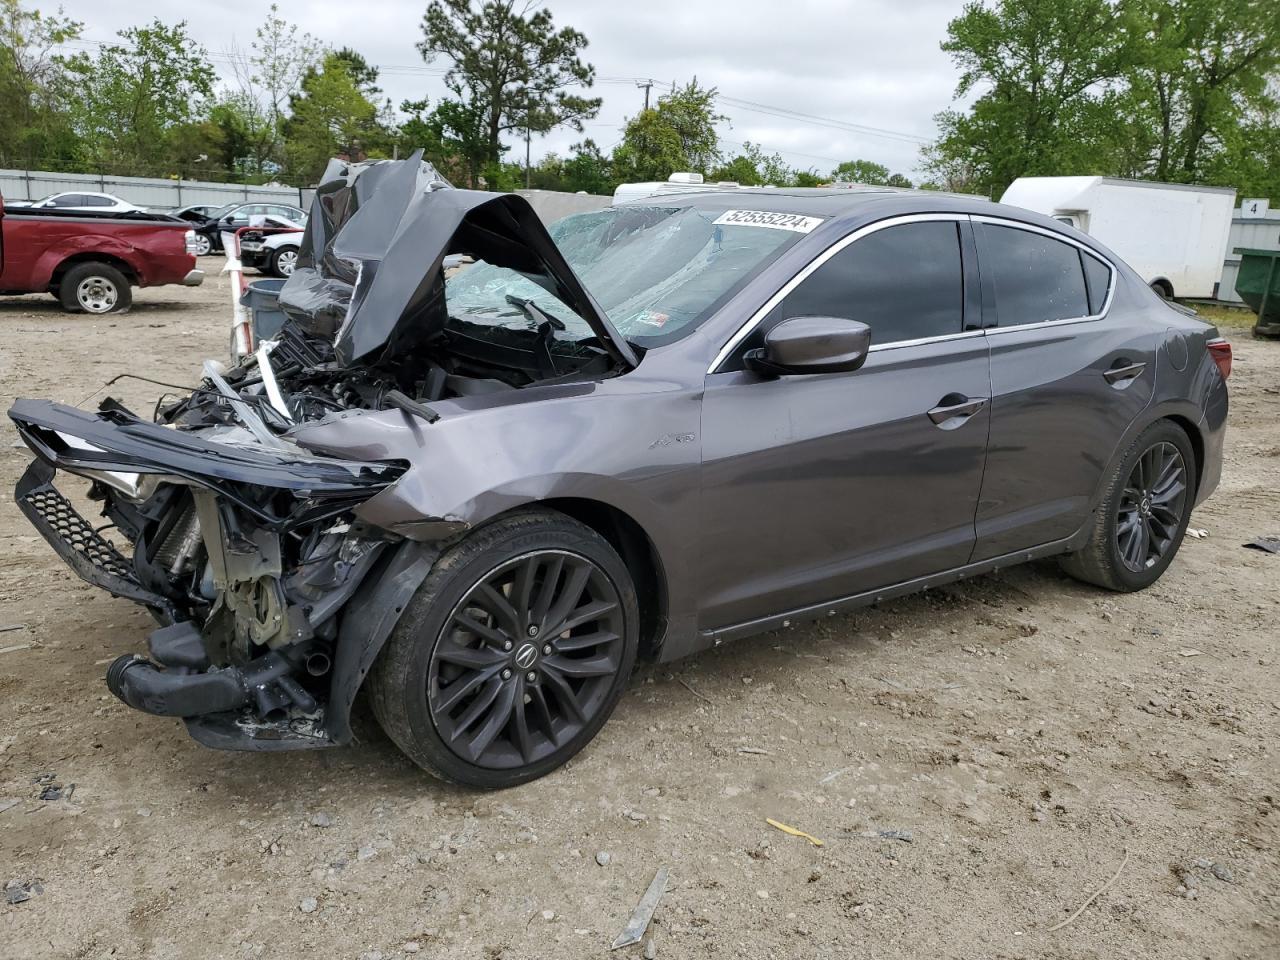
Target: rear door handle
{"points": [[954, 409], [1123, 370]]}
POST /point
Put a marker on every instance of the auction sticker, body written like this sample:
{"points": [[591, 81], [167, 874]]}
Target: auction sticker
{"points": [[765, 218]]}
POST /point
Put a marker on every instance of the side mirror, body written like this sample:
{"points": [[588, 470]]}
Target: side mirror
{"points": [[805, 345]]}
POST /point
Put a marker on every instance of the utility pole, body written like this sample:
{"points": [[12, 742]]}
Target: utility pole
{"points": [[527, 107], [646, 85]]}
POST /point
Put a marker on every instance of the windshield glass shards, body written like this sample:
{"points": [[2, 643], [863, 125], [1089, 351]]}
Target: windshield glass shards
{"points": [[654, 270]]}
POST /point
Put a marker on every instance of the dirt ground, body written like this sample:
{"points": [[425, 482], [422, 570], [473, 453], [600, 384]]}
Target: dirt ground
{"points": [[1032, 735]]}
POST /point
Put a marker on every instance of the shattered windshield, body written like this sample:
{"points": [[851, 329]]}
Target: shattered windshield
{"points": [[653, 270]]}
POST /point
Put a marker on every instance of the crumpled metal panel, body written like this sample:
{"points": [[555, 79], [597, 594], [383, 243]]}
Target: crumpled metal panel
{"points": [[370, 270]]}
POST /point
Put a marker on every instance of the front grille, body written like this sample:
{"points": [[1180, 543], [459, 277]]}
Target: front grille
{"points": [[75, 531]]}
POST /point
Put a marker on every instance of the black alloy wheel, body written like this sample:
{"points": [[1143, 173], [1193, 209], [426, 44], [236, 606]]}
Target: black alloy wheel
{"points": [[1138, 525], [1151, 507], [512, 653], [526, 659]]}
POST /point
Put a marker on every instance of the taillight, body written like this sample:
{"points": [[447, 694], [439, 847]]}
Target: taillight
{"points": [[190, 238], [1220, 350]]}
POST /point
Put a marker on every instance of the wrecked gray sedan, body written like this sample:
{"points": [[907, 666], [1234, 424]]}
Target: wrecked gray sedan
{"points": [[652, 429]]}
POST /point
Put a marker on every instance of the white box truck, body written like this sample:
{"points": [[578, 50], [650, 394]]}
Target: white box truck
{"points": [[1174, 235]]}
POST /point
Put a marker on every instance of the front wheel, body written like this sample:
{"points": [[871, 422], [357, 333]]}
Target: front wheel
{"points": [[1141, 520], [512, 654], [203, 245]]}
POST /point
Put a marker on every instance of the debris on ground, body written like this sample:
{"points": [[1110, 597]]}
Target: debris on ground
{"points": [[793, 831], [759, 751], [1093, 896], [1191, 652], [603, 858], [1269, 544], [20, 891], [633, 932], [15, 648], [9, 627], [906, 836], [1197, 534]]}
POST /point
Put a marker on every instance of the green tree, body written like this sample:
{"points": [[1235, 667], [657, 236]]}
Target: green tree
{"points": [[451, 135], [1202, 67], [679, 133], [331, 116], [34, 127], [509, 66], [267, 76], [1050, 74], [134, 93], [860, 171], [587, 170], [752, 168]]}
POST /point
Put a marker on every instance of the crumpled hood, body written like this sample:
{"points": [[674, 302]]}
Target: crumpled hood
{"points": [[370, 273]]}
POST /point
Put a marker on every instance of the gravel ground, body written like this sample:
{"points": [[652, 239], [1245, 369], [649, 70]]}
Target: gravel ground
{"points": [[1029, 736]]}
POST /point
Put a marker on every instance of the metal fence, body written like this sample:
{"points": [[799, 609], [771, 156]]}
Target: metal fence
{"points": [[155, 194]]}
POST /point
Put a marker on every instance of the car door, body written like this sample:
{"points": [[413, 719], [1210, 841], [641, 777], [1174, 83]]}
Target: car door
{"points": [[1067, 379], [824, 486]]}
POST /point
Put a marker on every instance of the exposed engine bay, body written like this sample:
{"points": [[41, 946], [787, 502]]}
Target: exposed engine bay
{"points": [[245, 540]]}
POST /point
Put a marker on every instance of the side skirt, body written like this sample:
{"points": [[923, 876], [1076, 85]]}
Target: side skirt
{"points": [[714, 638]]}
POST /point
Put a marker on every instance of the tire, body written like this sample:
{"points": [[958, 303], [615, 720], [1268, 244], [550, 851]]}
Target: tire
{"points": [[430, 684], [1163, 289], [283, 261], [204, 246], [1112, 558], [94, 288]]}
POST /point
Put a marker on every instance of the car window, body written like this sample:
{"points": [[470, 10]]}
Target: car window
{"points": [[1098, 276], [1037, 278], [68, 200], [905, 282], [656, 271], [93, 201]]}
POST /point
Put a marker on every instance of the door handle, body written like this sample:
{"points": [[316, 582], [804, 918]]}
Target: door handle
{"points": [[954, 409], [1123, 370]]}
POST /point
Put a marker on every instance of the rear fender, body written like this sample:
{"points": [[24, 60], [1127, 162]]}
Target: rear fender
{"points": [[102, 245]]}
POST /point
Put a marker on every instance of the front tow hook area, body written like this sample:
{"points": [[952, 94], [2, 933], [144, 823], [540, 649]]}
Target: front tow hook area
{"points": [[266, 682]]}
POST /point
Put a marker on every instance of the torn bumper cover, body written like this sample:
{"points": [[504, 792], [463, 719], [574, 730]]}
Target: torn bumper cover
{"points": [[248, 553]]}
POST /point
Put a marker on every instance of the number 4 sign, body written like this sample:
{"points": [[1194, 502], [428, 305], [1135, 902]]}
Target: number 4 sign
{"points": [[1254, 208]]}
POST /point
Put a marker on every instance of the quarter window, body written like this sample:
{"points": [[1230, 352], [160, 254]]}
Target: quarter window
{"points": [[904, 282], [1098, 275], [1037, 278]]}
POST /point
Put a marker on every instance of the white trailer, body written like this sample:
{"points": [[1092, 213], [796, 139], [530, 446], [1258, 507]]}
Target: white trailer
{"points": [[1174, 235]]}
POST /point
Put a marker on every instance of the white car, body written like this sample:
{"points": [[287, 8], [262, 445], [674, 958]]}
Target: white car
{"points": [[81, 202], [275, 253]]}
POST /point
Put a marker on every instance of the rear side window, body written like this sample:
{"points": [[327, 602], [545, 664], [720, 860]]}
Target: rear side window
{"points": [[1098, 276], [1037, 278], [904, 282]]}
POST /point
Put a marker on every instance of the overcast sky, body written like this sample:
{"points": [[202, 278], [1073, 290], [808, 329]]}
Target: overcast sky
{"points": [[862, 63]]}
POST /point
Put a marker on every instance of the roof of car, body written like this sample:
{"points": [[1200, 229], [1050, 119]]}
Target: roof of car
{"points": [[814, 201]]}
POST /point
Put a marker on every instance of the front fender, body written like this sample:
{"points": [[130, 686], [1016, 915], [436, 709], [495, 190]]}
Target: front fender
{"points": [[639, 456]]}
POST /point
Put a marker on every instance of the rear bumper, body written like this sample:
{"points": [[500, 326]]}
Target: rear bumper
{"points": [[193, 278]]}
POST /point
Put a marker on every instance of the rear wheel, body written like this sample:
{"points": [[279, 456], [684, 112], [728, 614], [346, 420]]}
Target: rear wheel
{"points": [[94, 288], [283, 261], [1141, 521], [512, 654], [203, 245]]}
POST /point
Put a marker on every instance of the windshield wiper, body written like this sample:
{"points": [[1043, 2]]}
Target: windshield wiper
{"points": [[535, 312]]}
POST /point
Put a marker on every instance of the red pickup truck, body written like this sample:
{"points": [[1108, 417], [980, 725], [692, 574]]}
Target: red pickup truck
{"points": [[91, 261]]}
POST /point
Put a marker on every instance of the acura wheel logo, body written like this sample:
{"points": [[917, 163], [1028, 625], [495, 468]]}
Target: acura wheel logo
{"points": [[526, 655]]}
